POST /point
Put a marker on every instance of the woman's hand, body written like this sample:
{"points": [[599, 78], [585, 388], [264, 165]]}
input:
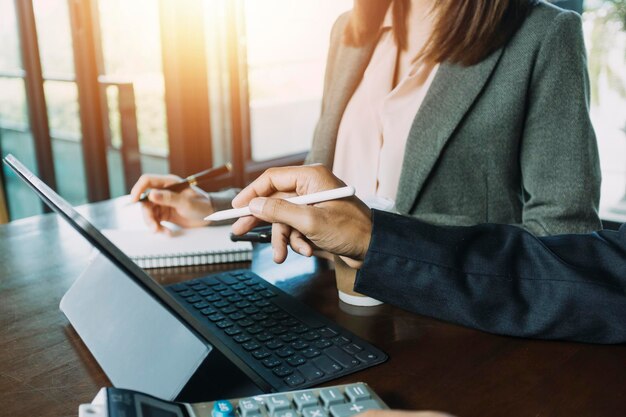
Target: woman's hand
{"points": [[342, 227], [187, 208]]}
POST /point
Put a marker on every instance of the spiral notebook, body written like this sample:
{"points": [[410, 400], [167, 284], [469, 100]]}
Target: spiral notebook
{"points": [[198, 246]]}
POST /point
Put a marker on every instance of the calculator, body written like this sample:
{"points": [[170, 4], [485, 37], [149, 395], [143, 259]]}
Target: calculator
{"points": [[334, 401]]}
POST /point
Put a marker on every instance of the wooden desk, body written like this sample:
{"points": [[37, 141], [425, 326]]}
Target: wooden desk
{"points": [[45, 370]]}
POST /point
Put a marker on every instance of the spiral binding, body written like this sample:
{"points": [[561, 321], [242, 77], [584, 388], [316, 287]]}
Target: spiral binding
{"points": [[192, 258]]}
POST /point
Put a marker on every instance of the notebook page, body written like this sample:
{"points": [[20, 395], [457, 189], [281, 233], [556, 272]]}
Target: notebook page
{"points": [[145, 243]]}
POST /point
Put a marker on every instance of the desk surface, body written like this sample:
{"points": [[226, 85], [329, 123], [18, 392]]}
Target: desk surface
{"points": [[45, 370]]}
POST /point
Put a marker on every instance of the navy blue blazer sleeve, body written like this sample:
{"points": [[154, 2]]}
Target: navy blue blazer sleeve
{"points": [[501, 278]]}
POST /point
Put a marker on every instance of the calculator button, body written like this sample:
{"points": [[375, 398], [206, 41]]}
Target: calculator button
{"points": [[347, 410], [277, 402], [358, 392], [249, 408], [314, 412], [223, 408], [331, 396], [286, 413], [305, 399]]}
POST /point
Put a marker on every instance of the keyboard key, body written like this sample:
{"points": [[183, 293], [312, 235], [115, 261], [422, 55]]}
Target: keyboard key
{"points": [[208, 311], [268, 294], [224, 324], [228, 279], [187, 293], [194, 299], [251, 345], [277, 402], [357, 392], [271, 362], [299, 345], [245, 323], [282, 370], [259, 316], [232, 331], [216, 317], [251, 310], [347, 410], [241, 338], [221, 304], [305, 399], [253, 297], [238, 287], [267, 307], [230, 309], [242, 304], [327, 365], [260, 354], [278, 330], [246, 292], [220, 287], [284, 352], [269, 323], [310, 352], [254, 329], [227, 293], [310, 372], [294, 380], [366, 357], [213, 298], [342, 357], [212, 281], [258, 287], [206, 292], [234, 298], [296, 360], [340, 340], [289, 337], [237, 316], [264, 337], [180, 287], [311, 336], [331, 396], [323, 343], [289, 322], [281, 315], [201, 305], [274, 344], [300, 329], [352, 348], [314, 412]]}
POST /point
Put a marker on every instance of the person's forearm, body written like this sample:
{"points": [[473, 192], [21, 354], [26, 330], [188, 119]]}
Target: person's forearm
{"points": [[500, 278]]}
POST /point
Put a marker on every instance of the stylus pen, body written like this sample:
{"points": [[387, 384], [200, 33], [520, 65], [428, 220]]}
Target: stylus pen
{"points": [[193, 179], [302, 199], [261, 234]]}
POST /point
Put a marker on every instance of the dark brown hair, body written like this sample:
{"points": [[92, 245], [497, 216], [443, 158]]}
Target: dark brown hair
{"points": [[464, 31]]}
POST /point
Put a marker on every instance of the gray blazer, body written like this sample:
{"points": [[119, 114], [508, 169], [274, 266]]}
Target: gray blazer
{"points": [[508, 140]]}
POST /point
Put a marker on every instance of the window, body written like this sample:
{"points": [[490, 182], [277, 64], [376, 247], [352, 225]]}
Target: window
{"points": [[605, 37]]}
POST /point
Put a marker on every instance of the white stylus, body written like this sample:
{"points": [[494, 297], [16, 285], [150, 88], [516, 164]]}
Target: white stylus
{"points": [[301, 199]]}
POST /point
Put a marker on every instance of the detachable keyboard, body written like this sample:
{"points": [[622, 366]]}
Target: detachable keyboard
{"points": [[288, 344]]}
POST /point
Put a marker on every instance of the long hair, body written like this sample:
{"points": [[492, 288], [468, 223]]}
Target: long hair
{"points": [[464, 31]]}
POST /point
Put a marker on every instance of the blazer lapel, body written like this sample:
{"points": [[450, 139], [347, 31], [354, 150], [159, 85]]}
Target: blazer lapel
{"points": [[346, 74], [449, 97]]}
